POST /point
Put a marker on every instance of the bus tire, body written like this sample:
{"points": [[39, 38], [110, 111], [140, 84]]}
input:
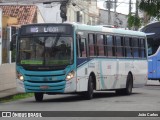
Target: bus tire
{"points": [[38, 96], [129, 86], [89, 92]]}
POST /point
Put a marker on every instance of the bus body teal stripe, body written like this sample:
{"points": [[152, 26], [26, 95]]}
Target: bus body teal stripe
{"points": [[101, 76]]}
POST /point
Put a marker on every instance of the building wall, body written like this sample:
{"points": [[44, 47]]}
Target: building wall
{"points": [[93, 12], [7, 79], [7, 69], [49, 14], [119, 20], [73, 10], [88, 12]]}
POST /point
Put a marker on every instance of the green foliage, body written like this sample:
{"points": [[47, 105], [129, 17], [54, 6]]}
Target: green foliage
{"points": [[137, 21], [16, 97], [133, 21], [130, 20], [151, 7]]}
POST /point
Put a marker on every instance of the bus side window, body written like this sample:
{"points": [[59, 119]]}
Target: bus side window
{"points": [[135, 47], [100, 45], [110, 47], [142, 48], [82, 47], [119, 49], [92, 45], [127, 47]]}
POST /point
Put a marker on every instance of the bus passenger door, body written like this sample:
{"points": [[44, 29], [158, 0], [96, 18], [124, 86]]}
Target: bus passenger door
{"points": [[152, 68], [82, 64], [157, 66], [153, 59]]}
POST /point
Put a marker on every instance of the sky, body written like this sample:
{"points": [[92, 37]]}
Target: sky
{"points": [[122, 6]]}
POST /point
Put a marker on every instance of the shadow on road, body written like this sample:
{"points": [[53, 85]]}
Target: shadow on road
{"points": [[152, 87], [75, 97]]}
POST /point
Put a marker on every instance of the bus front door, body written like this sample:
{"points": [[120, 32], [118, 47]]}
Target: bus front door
{"points": [[152, 68], [157, 66]]}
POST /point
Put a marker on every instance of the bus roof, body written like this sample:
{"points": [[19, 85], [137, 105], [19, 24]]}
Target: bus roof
{"points": [[152, 30], [97, 29], [109, 30]]}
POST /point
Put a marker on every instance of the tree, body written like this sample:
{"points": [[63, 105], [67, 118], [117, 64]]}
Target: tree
{"points": [[151, 7], [134, 20]]}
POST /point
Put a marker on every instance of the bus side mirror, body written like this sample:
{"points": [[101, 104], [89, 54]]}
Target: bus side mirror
{"points": [[13, 42]]}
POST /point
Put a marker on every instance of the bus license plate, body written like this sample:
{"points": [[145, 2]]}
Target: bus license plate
{"points": [[44, 87]]}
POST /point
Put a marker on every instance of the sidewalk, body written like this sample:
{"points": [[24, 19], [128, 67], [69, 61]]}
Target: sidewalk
{"points": [[8, 92], [153, 82]]}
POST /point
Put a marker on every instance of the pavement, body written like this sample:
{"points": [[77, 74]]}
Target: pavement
{"points": [[13, 91], [152, 82], [8, 92]]}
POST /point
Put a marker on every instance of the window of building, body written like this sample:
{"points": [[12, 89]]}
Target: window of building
{"points": [[6, 55]]}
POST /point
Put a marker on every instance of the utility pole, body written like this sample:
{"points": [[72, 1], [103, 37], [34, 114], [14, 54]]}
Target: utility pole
{"points": [[136, 14], [109, 11], [130, 10], [115, 12], [130, 6]]}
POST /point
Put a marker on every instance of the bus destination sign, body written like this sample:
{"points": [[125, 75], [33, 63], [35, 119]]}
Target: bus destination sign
{"points": [[45, 29], [51, 29]]}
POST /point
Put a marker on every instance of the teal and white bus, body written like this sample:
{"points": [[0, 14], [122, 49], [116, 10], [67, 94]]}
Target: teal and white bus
{"points": [[76, 58]]}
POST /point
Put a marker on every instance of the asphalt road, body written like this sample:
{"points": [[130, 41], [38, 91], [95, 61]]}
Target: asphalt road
{"points": [[142, 99]]}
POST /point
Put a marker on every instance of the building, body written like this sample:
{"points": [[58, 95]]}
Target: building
{"points": [[85, 12], [50, 13], [26, 14], [12, 15], [118, 19]]}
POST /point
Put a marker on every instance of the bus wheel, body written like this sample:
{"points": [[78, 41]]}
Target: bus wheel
{"points": [[38, 97], [89, 92], [129, 86]]}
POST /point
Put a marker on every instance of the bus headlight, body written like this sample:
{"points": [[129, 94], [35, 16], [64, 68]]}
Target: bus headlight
{"points": [[70, 75], [20, 76]]}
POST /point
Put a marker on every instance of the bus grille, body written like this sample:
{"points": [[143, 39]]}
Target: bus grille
{"points": [[45, 83]]}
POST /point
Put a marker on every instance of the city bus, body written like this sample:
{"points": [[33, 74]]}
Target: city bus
{"points": [[57, 58], [153, 38]]}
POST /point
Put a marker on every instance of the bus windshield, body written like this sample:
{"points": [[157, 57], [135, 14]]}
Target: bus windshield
{"points": [[45, 51], [153, 46]]}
